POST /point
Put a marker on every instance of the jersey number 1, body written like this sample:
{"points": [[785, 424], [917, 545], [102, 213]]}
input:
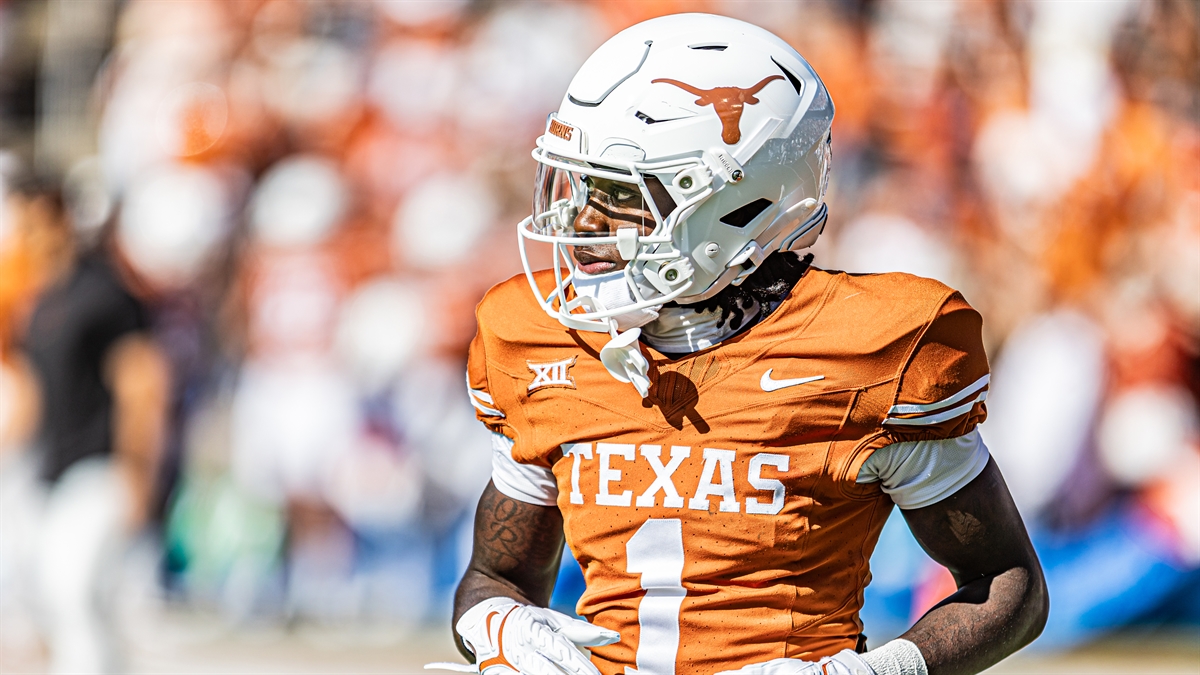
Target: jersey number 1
{"points": [[655, 551]]}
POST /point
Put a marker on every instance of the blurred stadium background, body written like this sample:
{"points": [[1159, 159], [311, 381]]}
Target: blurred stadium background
{"points": [[306, 199]]}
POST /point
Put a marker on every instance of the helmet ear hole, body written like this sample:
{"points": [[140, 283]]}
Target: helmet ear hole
{"points": [[741, 216]]}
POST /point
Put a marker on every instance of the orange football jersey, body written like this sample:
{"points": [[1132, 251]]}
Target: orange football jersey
{"points": [[718, 521]]}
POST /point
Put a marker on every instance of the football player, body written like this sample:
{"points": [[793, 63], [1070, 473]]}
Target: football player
{"points": [[716, 428]]}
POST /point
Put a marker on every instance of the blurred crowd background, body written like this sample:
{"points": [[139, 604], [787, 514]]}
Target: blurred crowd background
{"points": [[242, 240]]}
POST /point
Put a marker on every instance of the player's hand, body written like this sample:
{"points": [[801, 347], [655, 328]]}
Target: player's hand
{"points": [[845, 662], [509, 638]]}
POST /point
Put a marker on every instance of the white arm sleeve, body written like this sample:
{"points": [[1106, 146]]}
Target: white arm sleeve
{"points": [[919, 473], [523, 482]]}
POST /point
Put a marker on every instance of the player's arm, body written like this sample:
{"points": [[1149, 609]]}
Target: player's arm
{"points": [[518, 527], [500, 619], [517, 550], [971, 526], [956, 503], [1001, 601]]}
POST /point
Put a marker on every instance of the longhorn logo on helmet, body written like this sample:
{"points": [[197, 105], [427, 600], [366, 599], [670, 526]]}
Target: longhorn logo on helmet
{"points": [[729, 102]]}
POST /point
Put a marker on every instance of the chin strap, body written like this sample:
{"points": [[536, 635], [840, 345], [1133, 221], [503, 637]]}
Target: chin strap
{"points": [[622, 356], [624, 360]]}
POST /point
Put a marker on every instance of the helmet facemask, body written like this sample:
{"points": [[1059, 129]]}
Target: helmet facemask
{"points": [[646, 217]]}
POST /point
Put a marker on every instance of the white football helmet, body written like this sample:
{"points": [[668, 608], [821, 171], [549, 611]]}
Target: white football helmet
{"points": [[730, 120]]}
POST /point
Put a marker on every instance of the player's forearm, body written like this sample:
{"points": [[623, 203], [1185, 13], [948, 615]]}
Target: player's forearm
{"points": [[1001, 601], [984, 621], [474, 588], [517, 550]]}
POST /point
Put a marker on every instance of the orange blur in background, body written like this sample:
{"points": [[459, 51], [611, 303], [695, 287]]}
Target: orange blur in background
{"points": [[309, 199]]}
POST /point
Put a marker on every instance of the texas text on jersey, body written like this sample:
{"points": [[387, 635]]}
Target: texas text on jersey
{"points": [[718, 521]]}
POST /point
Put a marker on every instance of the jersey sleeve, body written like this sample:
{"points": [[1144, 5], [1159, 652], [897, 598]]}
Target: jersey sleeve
{"points": [[944, 383], [486, 409], [527, 483], [916, 474]]}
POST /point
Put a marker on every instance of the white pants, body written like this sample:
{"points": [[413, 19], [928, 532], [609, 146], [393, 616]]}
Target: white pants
{"points": [[82, 539]]}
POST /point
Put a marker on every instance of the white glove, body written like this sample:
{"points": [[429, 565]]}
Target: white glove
{"points": [[845, 662], [509, 638]]}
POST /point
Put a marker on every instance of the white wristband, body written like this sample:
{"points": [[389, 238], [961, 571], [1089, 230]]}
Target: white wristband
{"points": [[898, 657]]}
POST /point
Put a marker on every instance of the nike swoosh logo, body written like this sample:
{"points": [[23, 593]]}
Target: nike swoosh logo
{"points": [[768, 384], [499, 659]]}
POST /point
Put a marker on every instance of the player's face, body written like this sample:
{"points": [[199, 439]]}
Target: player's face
{"points": [[611, 205]]}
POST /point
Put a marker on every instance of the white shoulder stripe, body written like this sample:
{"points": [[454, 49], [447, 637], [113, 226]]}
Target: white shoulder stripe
{"points": [[483, 395], [939, 417], [905, 409], [477, 396], [490, 412]]}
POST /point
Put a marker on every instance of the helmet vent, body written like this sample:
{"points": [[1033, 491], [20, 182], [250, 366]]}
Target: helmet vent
{"points": [[713, 47], [741, 216], [583, 104], [791, 78], [603, 71], [650, 120]]}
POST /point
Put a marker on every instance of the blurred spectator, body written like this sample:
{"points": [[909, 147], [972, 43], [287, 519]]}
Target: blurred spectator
{"points": [[103, 387]]}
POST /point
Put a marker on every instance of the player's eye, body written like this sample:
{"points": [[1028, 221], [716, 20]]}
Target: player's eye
{"points": [[623, 196]]}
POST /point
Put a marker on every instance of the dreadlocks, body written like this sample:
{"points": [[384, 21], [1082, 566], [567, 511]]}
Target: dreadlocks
{"points": [[766, 287]]}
